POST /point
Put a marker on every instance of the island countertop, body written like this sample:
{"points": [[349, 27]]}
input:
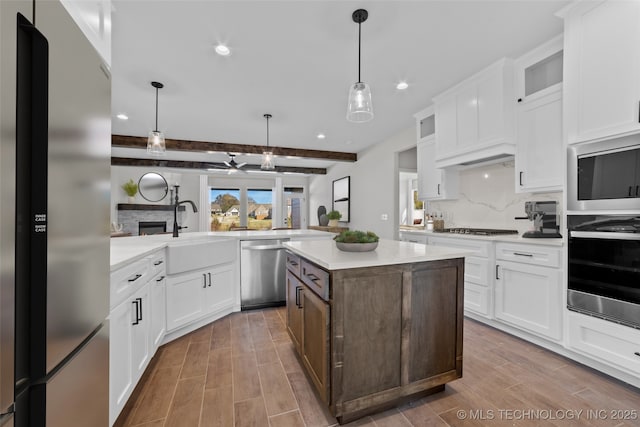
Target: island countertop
{"points": [[389, 252]]}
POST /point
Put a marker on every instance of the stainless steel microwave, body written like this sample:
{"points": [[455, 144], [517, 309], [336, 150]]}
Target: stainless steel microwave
{"points": [[604, 175]]}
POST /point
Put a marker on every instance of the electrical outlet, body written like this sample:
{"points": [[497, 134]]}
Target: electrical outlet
{"points": [[384, 217]]}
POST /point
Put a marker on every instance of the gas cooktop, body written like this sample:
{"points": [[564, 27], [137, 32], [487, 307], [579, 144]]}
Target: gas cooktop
{"points": [[477, 231]]}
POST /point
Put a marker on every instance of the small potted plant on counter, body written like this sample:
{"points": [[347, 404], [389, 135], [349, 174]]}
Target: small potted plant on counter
{"points": [[357, 241], [131, 188], [334, 216]]}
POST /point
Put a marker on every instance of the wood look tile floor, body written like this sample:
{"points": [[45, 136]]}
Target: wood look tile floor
{"points": [[242, 371]]}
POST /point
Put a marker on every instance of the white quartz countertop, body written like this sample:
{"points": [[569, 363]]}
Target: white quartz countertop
{"points": [[389, 252], [127, 249], [509, 238]]}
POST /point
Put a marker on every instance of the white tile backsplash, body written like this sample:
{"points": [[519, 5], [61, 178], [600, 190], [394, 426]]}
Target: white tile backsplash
{"points": [[487, 199]]}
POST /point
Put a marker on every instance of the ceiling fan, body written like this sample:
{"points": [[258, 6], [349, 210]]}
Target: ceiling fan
{"points": [[232, 165]]}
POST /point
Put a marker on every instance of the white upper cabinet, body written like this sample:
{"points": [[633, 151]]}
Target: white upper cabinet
{"points": [[475, 119], [94, 19], [540, 150], [602, 69], [433, 183]]}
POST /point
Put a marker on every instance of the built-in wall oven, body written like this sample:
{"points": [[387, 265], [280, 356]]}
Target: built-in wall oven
{"points": [[604, 267], [605, 175]]}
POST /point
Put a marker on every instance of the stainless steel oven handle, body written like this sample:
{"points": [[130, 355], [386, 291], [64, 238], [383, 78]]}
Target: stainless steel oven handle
{"points": [[604, 235]]}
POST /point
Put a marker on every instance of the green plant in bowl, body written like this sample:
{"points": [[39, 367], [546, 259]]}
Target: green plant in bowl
{"points": [[357, 241], [130, 187], [334, 215]]}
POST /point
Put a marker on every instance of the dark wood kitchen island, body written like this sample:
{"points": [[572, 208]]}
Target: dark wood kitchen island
{"points": [[375, 329]]}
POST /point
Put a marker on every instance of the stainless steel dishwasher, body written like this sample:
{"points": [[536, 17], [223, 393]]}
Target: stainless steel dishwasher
{"points": [[262, 273]]}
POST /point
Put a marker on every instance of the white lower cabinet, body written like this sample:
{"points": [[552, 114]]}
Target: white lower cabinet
{"points": [[609, 343], [528, 296], [129, 351], [413, 237], [193, 295], [158, 308], [137, 326], [478, 283], [120, 359]]}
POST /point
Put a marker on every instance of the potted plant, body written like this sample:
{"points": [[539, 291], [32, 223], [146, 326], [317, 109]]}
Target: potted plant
{"points": [[334, 216], [357, 241], [131, 188]]}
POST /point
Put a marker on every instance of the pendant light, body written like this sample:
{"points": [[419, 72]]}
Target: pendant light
{"points": [[267, 156], [359, 108], [155, 143]]}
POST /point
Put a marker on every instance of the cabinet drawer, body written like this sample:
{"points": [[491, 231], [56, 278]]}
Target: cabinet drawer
{"points": [[127, 279], [476, 298], [476, 270], [157, 263], [481, 249], [606, 341], [529, 254], [315, 278], [293, 263]]}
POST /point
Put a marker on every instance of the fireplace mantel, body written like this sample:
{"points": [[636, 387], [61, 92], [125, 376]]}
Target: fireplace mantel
{"points": [[143, 207]]}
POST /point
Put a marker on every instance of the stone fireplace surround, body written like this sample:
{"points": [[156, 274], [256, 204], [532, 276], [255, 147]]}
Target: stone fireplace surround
{"points": [[130, 214]]}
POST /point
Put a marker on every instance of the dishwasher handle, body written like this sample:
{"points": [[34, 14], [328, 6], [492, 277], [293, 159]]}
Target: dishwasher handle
{"points": [[264, 248]]}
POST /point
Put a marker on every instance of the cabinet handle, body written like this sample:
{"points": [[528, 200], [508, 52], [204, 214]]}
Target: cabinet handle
{"points": [[158, 262], [638, 111], [292, 262], [204, 280], [521, 178], [438, 189], [298, 289], [521, 254], [136, 304], [637, 353], [136, 277], [313, 277], [140, 304], [209, 279], [637, 187], [160, 279], [497, 266], [630, 187]]}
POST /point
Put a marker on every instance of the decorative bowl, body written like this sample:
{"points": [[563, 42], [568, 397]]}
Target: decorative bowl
{"points": [[357, 247]]}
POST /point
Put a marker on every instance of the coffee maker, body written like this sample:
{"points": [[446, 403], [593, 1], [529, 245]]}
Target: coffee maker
{"points": [[545, 219]]}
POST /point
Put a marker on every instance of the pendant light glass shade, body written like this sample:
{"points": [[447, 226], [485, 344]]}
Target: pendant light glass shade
{"points": [[360, 108], [267, 156], [155, 142]]}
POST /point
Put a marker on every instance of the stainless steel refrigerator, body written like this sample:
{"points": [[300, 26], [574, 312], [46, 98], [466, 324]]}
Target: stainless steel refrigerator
{"points": [[54, 215]]}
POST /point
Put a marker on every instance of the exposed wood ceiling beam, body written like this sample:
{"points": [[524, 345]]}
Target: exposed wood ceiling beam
{"points": [[223, 147], [125, 161]]}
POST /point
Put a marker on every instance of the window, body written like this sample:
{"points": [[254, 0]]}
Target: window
{"points": [[225, 209], [259, 209]]}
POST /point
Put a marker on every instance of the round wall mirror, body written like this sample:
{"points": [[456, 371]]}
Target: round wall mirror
{"points": [[153, 187]]}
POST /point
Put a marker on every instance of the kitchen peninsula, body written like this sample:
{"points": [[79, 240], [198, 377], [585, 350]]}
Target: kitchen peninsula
{"points": [[374, 329]]}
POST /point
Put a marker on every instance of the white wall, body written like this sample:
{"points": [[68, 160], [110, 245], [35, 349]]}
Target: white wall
{"points": [[374, 186]]}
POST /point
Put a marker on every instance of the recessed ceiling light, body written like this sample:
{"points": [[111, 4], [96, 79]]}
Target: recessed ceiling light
{"points": [[321, 136], [223, 50], [402, 85], [122, 116]]}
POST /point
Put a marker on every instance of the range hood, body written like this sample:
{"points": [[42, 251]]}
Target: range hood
{"points": [[477, 157]]}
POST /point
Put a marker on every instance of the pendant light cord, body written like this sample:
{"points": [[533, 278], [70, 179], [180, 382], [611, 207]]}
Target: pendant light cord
{"points": [[267, 133], [156, 129], [359, 43]]}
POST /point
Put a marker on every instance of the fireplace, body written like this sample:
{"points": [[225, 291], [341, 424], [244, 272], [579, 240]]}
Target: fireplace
{"points": [[151, 227]]}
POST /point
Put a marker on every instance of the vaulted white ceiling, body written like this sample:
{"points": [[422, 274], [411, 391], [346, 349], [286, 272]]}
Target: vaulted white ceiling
{"points": [[297, 59]]}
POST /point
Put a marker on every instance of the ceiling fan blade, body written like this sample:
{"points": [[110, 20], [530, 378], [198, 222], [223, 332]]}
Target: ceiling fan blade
{"points": [[228, 164], [241, 165]]}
